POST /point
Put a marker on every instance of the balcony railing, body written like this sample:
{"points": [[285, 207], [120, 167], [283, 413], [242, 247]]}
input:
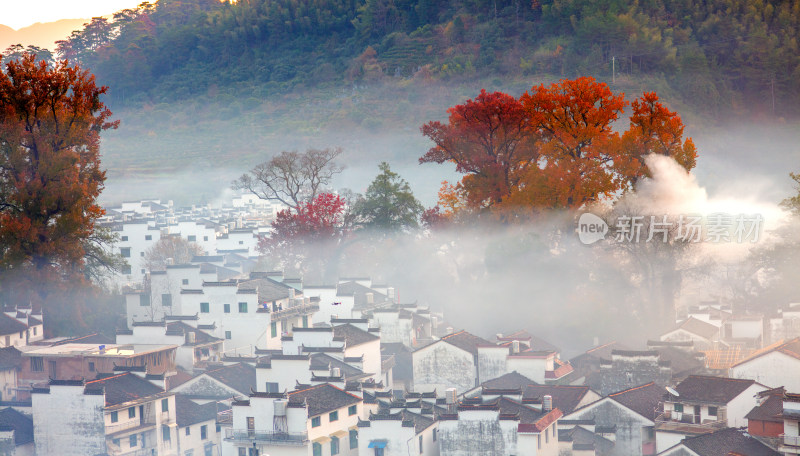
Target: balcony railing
{"points": [[791, 440], [688, 423], [114, 450], [136, 424], [266, 437]]}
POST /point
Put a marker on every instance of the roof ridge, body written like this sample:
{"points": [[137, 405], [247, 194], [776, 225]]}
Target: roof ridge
{"points": [[108, 378], [454, 334], [631, 389]]}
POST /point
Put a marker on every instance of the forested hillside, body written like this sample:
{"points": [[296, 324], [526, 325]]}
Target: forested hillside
{"points": [[721, 56]]}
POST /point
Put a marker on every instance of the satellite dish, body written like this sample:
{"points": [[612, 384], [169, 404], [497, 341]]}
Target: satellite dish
{"points": [[672, 392]]}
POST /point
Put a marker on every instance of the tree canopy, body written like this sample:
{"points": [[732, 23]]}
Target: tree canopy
{"points": [[389, 204], [553, 148]]}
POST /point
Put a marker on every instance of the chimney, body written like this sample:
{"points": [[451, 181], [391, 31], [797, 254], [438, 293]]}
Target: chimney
{"points": [[547, 403], [390, 293], [514, 346], [336, 372], [451, 399]]}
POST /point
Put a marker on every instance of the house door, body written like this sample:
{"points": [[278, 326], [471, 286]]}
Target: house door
{"points": [[251, 426]]}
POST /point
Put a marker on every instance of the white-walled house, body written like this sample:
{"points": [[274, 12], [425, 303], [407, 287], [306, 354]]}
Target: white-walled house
{"points": [[704, 404], [315, 421], [773, 366], [790, 440], [196, 429], [118, 415], [703, 334]]}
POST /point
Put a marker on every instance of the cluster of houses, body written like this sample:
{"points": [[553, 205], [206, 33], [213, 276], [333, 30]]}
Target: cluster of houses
{"points": [[219, 358]]}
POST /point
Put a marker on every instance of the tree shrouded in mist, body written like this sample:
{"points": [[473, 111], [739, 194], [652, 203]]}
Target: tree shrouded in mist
{"points": [[388, 204], [168, 249], [50, 175], [555, 147], [304, 239], [292, 178]]}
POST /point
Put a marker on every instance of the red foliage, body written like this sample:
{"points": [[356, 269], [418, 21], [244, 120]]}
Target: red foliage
{"points": [[50, 175]]}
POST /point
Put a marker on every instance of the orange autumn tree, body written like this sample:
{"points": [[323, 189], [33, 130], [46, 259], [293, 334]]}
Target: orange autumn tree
{"points": [[487, 140], [567, 154], [50, 175], [654, 129]]}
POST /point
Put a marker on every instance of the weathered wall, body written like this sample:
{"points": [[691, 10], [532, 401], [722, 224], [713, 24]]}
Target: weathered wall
{"points": [[773, 369], [629, 434], [477, 432], [441, 366], [67, 422]]}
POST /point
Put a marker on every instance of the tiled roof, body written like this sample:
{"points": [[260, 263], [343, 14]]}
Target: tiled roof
{"points": [[239, 376], [725, 442], [94, 338], [268, 290], [187, 412], [323, 361], [698, 327], [466, 341], [683, 363], [124, 388], [790, 348], [565, 397], [526, 413], [10, 325], [770, 410], [323, 398], [723, 359], [717, 390], [200, 336], [352, 335], [21, 424], [642, 399], [511, 380]]}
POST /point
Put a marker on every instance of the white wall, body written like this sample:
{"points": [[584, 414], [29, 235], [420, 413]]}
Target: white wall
{"points": [[441, 366], [773, 369], [67, 422]]}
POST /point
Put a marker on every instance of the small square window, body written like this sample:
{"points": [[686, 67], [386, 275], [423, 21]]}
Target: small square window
{"points": [[132, 440], [114, 417], [166, 300], [141, 254], [185, 281], [148, 237], [192, 238], [144, 300], [115, 442], [126, 269], [124, 238], [125, 252], [165, 405], [204, 307], [91, 366], [333, 416], [242, 307], [352, 410], [228, 335], [188, 431], [205, 238], [132, 412], [712, 411], [241, 242], [203, 432], [315, 422], [226, 308]]}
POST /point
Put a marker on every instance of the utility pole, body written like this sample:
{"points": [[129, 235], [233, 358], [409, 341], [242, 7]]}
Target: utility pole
{"points": [[613, 70], [772, 89]]}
